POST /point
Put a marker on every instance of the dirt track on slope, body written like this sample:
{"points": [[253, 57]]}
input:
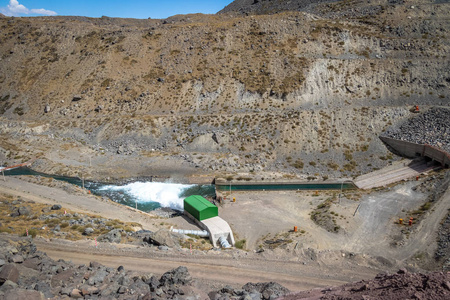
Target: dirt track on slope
{"points": [[209, 270], [84, 203]]}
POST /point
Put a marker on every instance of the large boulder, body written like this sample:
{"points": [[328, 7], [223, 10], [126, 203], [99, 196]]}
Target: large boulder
{"points": [[9, 272], [56, 207], [21, 211], [268, 290], [98, 277], [44, 288], [114, 236], [24, 210], [178, 276], [16, 258], [19, 294], [88, 231], [163, 237]]}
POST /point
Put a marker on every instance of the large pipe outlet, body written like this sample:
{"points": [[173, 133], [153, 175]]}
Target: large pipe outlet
{"points": [[200, 233]]}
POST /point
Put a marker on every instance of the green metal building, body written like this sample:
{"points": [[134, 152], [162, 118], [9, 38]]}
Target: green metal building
{"points": [[200, 208]]}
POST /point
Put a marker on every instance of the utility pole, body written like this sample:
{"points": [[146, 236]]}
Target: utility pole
{"points": [[3, 173]]}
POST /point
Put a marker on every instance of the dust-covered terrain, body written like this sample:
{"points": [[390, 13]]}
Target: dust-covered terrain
{"points": [[273, 91], [300, 92]]}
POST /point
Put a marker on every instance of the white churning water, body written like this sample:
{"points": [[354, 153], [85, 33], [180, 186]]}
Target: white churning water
{"points": [[166, 194]]}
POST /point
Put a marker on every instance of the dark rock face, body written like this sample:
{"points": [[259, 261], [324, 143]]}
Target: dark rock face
{"points": [[77, 98], [21, 211], [114, 236], [266, 291], [403, 285], [17, 294], [24, 210], [9, 272], [56, 207], [178, 276], [271, 290], [17, 259], [163, 237], [268, 6]]}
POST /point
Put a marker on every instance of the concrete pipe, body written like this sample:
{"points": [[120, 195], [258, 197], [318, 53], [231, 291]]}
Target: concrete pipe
{"points": [[200, 233], [224, 243]]}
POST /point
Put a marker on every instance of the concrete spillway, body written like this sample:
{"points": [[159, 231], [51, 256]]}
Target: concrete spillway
{"points": [[397, 172]]}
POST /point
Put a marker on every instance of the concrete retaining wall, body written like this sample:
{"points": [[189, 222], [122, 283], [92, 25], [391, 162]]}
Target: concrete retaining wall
{"points": [[412, 150]]}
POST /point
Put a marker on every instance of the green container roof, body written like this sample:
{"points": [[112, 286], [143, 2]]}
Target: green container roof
{"points": [[200, 208]]}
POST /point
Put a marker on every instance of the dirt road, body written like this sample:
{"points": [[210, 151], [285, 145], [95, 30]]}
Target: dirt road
{"points": [[209, 270]]}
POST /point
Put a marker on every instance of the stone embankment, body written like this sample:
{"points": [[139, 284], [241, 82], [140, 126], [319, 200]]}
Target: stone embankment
{"points": [[429, 128], [402, 285], [26, 273]]}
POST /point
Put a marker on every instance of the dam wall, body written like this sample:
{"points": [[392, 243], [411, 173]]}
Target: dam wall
{"points": [[412, 150]]}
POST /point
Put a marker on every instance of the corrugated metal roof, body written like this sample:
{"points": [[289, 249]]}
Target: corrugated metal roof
{"points": [[200, 208], [199, 202]]}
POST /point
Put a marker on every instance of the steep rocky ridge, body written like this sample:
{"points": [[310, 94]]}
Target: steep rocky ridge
{"points": [[269, 6], [299, 92]]}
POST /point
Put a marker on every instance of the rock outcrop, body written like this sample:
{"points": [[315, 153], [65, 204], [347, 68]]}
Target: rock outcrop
{"points": [[39, 277], [268, 6], [402, 285]]}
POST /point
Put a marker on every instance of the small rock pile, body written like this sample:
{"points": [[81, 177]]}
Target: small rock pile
{"points": [[431, 127], [402, 285], [251, 291]]}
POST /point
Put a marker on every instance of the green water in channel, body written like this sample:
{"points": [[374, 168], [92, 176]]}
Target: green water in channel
{"points": [[134, 193]]}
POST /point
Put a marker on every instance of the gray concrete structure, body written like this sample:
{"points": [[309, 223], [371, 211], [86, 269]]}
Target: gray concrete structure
{"points": [[216, 227], [412, 150]]}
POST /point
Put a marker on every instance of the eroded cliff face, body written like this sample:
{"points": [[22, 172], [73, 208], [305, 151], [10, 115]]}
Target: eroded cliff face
{"points": [[299, 92]]}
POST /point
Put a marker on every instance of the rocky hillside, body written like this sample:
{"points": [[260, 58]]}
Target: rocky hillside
{"points": [[269, 6], [386, 286], [26, 273], [298, 92]]}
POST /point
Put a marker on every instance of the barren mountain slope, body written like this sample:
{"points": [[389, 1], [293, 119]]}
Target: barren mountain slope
{"points": [[269, 6], [292, 92]]}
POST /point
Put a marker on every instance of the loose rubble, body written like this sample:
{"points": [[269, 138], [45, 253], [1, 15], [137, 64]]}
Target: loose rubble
{"points": [[266, 291], [431, 127], [402, 285], [30, 274]]}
